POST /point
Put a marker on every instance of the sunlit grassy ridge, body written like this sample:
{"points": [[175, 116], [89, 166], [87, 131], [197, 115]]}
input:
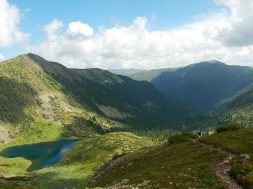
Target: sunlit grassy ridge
{"points": [[181, 165], [58, 94], [239, 142], [184, 165], [29, 96], [35, 106]]}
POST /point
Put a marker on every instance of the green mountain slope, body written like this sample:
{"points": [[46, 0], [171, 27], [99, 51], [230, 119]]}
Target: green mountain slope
{"points": [[243, 101], [44, 101], [138, 104], [36, 90], [241, 108], [29, 95], [206, 86], [183, 164]]}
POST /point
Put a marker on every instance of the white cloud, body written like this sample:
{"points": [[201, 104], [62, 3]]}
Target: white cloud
{"points": [[77, 29], [211, 36], [2, 57], [239, 33], [9, 21], [52, 28]]}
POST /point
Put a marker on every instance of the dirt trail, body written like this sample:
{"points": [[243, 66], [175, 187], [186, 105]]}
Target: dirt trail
{"points": [[222, 168]]}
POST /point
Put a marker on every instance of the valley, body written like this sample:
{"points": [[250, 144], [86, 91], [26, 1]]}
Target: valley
{"points": [[87, 128]]}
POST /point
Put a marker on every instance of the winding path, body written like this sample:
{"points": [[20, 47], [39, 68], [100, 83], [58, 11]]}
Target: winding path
{"points": [[222, 167]]}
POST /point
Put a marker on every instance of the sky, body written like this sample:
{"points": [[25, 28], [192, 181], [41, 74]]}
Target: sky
{"points": [[143, 34]]}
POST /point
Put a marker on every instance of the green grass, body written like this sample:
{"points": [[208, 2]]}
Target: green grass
{"points": [[180, 138], [39, 131], [78, 166], [239, 142], [184, 165], [229, 127]]}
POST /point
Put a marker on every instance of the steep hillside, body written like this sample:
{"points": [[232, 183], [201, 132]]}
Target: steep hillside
{"points": [[206, 86], [243, 101], [185, 163], [34, 89], [241, 108], [28, 95], [137, 104], [43, 101]]}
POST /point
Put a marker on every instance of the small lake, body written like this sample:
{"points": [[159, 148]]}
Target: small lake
{"points": [[41, 154]]}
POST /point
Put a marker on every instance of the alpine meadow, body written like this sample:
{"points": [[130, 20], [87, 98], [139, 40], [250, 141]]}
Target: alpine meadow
{"points": [[126, 94]]}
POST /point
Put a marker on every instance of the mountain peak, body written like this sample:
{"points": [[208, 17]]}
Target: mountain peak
{"points": [[210, 62], [35, 57], [215, 62]]}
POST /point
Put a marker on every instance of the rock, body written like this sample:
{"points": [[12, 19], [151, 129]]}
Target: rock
{"points": [[225, 162], [245, 156]]}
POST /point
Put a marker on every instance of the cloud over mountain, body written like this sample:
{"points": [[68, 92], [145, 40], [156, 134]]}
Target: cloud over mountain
{"points": [[9, 21], [239, 32], [224, 35]]}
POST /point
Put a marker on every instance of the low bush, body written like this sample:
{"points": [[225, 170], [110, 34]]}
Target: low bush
{"points": [[231, 127], [179, 138], [210, 180], [242, 171]]}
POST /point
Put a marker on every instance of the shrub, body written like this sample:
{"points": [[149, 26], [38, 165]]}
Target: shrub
{"points": [[179, 138], [231, 127], [210, 180], [241, 171]]}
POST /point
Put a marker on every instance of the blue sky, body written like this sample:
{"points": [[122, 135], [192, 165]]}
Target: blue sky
{"points": [[163, 13], [105, 12], [127, 33]]}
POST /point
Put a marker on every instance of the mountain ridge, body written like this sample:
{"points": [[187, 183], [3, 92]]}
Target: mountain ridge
{"points": [[117, 98], [205, 86]]}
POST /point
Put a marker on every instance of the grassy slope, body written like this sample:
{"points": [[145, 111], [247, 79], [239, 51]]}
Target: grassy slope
{"points": [[239, 142], [34, 108], [78, 165], [29, 95], [138, 104], [184, 165], [241, 108], [176, 166], [146, 105]]}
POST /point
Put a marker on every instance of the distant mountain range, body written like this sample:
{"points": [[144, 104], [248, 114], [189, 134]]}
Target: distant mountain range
{"points": [[149, 75], [125, 72], [206, 86]]}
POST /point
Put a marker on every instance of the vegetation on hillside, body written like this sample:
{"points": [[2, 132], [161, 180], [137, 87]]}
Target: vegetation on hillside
{"points": [[207, 86], [231, 127], [77, 167], [184, 163], [44, 101], [137, 104]]}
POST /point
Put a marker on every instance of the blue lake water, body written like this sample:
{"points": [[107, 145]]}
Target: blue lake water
{"points": [[41, 154]]}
